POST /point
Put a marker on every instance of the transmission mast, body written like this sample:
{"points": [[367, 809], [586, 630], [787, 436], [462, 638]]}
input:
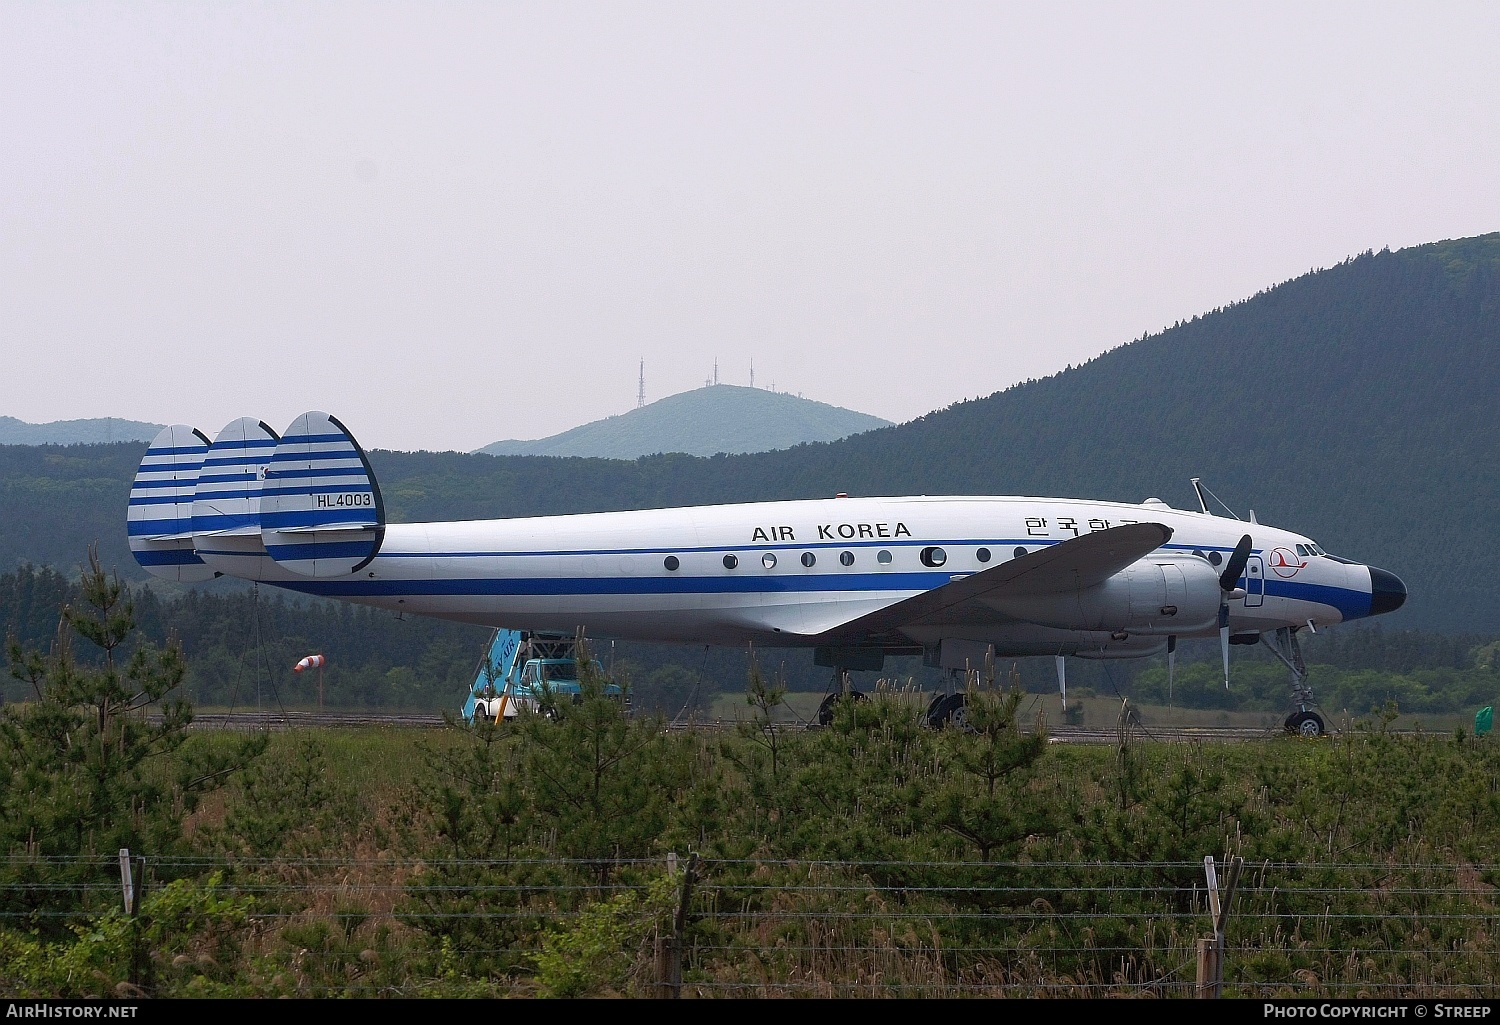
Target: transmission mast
{"points": [[640, 394]]}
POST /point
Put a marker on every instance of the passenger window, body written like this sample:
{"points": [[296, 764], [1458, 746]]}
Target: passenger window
{"points": [[768, 560], [731, 561], [847, 558], [1018, 552], [671, 562], [808, 558], [934, 557], [983, 555], [884, 558]]}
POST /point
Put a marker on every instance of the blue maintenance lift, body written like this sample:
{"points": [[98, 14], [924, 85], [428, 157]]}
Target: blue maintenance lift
{"points": [[521, 670]]}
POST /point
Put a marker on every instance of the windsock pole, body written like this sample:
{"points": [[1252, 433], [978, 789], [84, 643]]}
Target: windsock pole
{"points": [[310, 662]]}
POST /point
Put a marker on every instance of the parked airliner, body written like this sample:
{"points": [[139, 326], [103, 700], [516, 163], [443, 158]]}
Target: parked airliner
{"points": [[857, 579]]}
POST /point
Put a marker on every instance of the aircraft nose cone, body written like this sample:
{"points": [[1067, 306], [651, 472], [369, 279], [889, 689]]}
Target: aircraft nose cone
{"points": [[1387, 592]]}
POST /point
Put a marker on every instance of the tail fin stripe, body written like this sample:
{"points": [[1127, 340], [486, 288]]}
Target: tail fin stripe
{"points": [[319, 551], [351, 471], [319, 489], [185, 557]]}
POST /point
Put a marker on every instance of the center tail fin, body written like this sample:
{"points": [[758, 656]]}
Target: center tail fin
{"points": [[321, 514], [226, 504]]}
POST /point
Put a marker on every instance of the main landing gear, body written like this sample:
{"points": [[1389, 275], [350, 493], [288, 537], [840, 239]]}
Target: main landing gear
{"points": [[1303, 721], [945, 709], [845, 690]]}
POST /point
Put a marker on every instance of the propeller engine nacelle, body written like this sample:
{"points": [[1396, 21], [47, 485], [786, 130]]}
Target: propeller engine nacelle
{"points": [[1155, 597]]}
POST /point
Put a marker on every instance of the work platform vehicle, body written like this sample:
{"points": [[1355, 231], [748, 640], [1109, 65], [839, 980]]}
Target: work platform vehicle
{"points": [[532, 672]]}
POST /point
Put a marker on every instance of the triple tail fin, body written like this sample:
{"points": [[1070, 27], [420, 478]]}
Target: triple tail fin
{"points": [[160, 516], [321, 513]]}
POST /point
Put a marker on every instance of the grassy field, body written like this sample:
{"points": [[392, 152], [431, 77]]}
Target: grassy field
{"points": [[869, 858], [1098, 713]]}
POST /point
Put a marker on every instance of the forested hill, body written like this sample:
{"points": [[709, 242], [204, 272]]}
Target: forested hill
{"points": [[702, 422], [1355, 404], [75, 432]]}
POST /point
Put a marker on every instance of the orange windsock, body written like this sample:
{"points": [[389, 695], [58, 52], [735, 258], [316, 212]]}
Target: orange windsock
{"points": [[310, 662]]}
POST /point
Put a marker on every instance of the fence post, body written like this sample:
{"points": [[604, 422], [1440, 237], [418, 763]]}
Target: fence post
{"points": [[679, 927], [664, 943], [1211, 948], [127, 884], [1208, 966], [132, 884]]}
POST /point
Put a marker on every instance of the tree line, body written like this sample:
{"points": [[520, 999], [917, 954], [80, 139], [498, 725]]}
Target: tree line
{"points": [[242, 642]]}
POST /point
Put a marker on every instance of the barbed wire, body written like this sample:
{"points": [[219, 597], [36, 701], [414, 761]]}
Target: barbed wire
{"points": [[657, 860]]}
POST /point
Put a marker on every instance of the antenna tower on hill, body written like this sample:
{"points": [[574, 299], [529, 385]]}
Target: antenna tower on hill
{"points": [[640, 394], [752, 373]]}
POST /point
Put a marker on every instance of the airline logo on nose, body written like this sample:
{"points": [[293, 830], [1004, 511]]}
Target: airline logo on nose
{"points": [[1285, 562]]}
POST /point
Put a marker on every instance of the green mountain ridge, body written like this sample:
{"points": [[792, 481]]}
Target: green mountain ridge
{"points": [[1353, 403], [702, 422], [100, 430]]}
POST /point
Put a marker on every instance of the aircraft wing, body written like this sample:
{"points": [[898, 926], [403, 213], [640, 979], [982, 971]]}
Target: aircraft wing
{"points": [[1066, 566]]}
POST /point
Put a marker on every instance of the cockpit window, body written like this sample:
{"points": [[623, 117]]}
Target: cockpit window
{"points": [[1302, 550]]}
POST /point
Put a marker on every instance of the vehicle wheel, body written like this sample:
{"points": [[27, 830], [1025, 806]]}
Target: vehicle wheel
{"points": [[1306, 724], [825, 710]]}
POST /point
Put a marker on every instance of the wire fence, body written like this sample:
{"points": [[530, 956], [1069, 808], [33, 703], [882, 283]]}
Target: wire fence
{"points": [[770, 927]]}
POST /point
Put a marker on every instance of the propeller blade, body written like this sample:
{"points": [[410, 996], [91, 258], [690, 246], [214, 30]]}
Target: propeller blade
{"points": [[1224, 647], [1171, 665], [1230, 578]]}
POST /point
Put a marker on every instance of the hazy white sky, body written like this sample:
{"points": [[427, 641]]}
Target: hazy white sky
{"points": [[451, 224]]}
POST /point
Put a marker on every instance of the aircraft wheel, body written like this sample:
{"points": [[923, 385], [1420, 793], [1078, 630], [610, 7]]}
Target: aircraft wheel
{"points": [[825, 710], [931, 716], [947, 710], [1306, 724], [958, 713]]}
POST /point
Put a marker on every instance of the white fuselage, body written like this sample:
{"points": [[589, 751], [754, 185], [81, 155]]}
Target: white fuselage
{"points": [[784, 573]]}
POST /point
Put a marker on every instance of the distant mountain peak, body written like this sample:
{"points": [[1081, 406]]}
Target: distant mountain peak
{"points": [[702, 422], [100, 430]]}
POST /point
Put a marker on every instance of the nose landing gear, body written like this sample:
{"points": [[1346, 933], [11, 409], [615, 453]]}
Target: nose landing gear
{"points": [[1305, 724], [1303, 721]]}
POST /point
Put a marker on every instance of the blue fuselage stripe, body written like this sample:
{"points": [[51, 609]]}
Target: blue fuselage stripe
{"points": [[854, 582], [1351, 604]]}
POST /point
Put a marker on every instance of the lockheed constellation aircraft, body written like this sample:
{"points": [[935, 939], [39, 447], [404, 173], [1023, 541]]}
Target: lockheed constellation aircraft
{"points": [[857, 579]]}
